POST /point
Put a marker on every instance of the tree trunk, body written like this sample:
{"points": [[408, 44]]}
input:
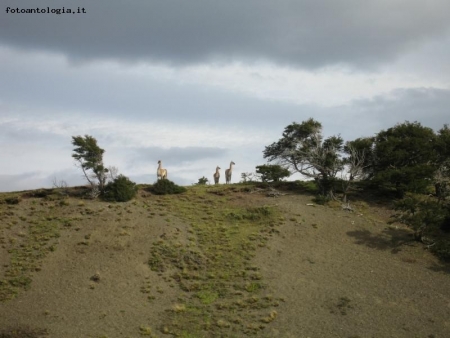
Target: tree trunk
{"points": [[326, 187]]}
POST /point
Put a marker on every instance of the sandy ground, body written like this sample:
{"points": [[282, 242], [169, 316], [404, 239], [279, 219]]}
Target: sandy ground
{"points": [[349, 275], [340, 274]]}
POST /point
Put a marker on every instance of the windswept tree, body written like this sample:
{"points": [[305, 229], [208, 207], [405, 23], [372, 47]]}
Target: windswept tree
{"points": [[89, 157], [358, 162], [303, 149], [359, 158]]}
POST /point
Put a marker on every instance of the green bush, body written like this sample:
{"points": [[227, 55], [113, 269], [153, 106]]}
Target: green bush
{"points": [[272, 172], [430, 220], [165, 186], [321, 199], [442, 248], [202, 181], [120, 190], [12, 200]]}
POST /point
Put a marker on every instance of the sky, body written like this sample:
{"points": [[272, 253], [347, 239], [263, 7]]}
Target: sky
{"points": [[199, 83]]}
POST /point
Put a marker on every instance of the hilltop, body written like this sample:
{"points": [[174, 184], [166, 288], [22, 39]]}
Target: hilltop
{"points": [[215, 261]]}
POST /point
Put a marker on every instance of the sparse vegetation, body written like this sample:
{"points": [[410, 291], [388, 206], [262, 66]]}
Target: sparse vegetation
{"points": [[204, 274], [26, 253], [214, 271]]}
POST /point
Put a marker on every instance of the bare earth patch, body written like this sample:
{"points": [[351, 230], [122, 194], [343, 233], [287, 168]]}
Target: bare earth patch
{"points": [[352, 275]]}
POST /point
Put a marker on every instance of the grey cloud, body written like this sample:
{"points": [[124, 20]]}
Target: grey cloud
{"points": [[15, 133], [362, 118], [429, 106], [19, 182], [306, 33], [71, 176], [177, 155], [143, 100]]}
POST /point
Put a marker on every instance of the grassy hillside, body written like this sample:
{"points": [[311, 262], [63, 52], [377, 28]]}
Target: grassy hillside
{"points": [[216, 261]]}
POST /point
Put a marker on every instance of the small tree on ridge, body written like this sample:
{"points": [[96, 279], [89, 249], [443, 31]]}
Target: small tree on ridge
{"points": [[89, 157], [303, 149]]}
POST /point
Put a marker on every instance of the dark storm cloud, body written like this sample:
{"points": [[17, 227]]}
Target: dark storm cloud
{"points": [[307, 33]]}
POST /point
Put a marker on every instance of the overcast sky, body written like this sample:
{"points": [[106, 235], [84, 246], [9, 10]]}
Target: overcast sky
{"points": [[200, 83]]}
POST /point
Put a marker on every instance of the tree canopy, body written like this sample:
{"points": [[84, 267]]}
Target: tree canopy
{"points": [[405, 157], [304, 150], [272, 172]]}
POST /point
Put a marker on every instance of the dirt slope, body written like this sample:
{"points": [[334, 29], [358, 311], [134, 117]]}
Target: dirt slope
{"points": [[351, 275], [322, 272]]}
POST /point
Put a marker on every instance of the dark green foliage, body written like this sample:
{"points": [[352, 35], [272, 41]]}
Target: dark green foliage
{"points": [[321, 199], [120, 190], [442, 248], [414, 179], [12, 200], [443, 144], [442, 174], [165, 186], [272, 172], [430, 221], [421, 215], [309, 187], [405, 158], [202, 181], [40, 193], [90, 157]]}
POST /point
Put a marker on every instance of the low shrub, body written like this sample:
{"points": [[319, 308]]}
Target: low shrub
{"points": [[430, 220], [120, 190], [40, 193], [12, 200], [165, 186], [202, 181], [442, 248], [321, 200], [272, 172]]}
